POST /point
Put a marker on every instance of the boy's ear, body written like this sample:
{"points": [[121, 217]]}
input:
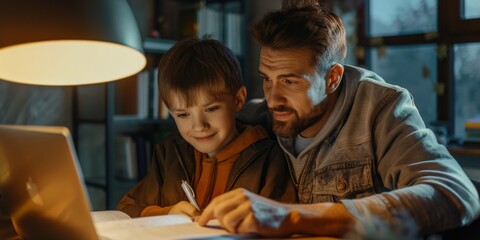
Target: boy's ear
{"points": [[240, 98]]}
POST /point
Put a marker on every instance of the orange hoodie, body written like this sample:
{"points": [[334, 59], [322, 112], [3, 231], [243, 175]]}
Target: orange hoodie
{"points": [[214, 171]]}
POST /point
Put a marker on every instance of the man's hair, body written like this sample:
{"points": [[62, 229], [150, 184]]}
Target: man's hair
{"points": [[194, 66], [304, 24]]}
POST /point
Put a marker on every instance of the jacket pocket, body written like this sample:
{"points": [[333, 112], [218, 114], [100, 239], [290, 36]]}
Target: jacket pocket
{"points": [[344, 180]]}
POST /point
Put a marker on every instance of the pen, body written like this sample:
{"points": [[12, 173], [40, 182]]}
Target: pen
{"points": [[190, 194]]}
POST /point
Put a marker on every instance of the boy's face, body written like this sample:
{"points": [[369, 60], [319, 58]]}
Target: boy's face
{"points": [[209, 125]]}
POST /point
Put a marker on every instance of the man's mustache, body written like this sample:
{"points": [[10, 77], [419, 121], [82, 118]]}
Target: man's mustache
{"points": [[281, 108]]}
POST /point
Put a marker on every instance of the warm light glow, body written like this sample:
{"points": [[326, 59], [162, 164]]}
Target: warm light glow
{"points": [[68, 62]]}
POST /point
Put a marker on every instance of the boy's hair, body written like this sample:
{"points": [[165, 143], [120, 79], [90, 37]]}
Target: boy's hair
{"points": [[304, 24], [194, 66]]}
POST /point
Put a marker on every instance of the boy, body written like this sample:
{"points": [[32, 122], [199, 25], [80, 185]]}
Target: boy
{"points": [[200, 82]]}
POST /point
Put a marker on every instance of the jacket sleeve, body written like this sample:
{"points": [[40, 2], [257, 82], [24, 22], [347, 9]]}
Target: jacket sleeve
{"points": [[146, 192], [278, 182], [421, 177]]}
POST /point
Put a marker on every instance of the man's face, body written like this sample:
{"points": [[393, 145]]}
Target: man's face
{"points": [[294, 91], [209, 125]]}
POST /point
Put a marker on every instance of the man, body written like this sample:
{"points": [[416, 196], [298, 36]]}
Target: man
{"points": [[357, 146]]}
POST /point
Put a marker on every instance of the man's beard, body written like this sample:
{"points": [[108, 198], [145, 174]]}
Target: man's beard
{"points": [[289, 129]]}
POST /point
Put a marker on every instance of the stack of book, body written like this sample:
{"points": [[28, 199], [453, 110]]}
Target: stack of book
{"points": [[472, 130]]}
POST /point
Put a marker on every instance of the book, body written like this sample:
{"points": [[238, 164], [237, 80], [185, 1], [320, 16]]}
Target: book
{"points": [[126, 167], [118, 225], [131, 97], [160, 110], [472, 129]]}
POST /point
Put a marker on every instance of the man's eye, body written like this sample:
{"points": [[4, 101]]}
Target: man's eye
{"points": [[182, 115], [289, 82], [266, 79]]}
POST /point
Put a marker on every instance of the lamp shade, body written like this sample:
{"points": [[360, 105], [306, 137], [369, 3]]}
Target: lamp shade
{"points": [[68, 42]]}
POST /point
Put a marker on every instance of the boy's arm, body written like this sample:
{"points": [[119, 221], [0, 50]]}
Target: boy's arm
{"points": [[145, 193], [142, 197]]}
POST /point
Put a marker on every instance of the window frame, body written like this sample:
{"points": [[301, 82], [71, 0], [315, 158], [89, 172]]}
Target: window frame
{"points": [[451, 29]]}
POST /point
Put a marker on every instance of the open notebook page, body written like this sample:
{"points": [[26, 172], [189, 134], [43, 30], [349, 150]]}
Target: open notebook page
{"points": [[160, 227]]}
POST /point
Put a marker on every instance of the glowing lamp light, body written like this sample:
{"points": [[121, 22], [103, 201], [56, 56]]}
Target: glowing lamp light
{"points": [[68, 42]]}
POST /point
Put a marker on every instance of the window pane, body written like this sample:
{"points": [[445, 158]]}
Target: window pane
{"points": [[349, 22], [395, 65], [402, 17], [467, 87], [471, 9]]}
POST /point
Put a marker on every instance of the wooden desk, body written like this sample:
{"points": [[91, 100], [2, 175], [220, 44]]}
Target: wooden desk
{"points": [[466, 149]]}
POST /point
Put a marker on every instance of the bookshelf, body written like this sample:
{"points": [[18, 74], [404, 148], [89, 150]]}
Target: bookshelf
{"points": [[117, 124]]}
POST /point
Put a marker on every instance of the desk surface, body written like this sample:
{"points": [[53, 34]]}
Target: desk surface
{"points": [[467, 149]]}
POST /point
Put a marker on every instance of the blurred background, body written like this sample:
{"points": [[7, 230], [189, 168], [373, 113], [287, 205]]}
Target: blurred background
{"points": [[430, 47]]}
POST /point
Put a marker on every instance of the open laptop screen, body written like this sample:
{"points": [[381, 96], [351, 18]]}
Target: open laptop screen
{"points": [[41, 183]]}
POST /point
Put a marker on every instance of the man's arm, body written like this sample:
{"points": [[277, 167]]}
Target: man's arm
{"points": [[421, 173], [240, 211]]}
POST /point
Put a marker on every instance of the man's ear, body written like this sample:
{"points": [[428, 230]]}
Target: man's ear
{"points": [[334, 77], [240, 98]]}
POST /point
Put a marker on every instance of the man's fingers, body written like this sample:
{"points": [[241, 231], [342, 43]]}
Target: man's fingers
{"points": [[231, 219], [206, 215], [209, 212], [248, 225], [221, 205]]}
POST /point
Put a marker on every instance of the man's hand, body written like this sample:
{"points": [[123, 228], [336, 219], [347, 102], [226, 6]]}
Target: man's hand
{"points": [[184, 208], [240, 211]]}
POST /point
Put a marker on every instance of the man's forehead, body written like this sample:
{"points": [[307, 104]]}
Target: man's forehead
{"points": [[295, 61], [299, 55]]}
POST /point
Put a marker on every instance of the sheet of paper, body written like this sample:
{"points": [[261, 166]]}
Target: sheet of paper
{"points": [[106, 216], [177, 231], [142, 222], [160, 227]]}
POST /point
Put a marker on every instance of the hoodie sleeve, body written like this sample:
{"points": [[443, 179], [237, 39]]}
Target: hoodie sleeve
{"points": [[146, 193]]}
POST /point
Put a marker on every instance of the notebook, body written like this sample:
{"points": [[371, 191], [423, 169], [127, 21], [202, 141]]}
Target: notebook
{"points": [[41, 183], [41, 187]]}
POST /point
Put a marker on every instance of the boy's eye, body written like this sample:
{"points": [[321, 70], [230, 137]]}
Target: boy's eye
{"points": [[211, 109], [182, 115]]}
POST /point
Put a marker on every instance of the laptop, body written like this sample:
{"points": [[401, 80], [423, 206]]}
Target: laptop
{"points": [[41, 183]]}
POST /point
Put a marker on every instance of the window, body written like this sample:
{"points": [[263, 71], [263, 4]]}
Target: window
{"points": [[400, 17], [467, 86], [430, 47], [419, 76], [471, 9]]}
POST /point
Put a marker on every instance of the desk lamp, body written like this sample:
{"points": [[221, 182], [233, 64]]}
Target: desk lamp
{"points": [[68, 42]]}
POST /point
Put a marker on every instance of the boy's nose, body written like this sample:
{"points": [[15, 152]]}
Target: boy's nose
{"points": [[199, 124]]}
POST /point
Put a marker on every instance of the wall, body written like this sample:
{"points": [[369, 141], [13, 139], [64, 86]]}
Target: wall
{"points": [[255, 10], [470, 164], [35, 105]]}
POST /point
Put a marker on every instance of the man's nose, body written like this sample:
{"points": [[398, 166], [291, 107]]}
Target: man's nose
{"points": [[275, 96]]}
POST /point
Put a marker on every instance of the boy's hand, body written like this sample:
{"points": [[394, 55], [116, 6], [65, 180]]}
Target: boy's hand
{"points": [[184, 208]]}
